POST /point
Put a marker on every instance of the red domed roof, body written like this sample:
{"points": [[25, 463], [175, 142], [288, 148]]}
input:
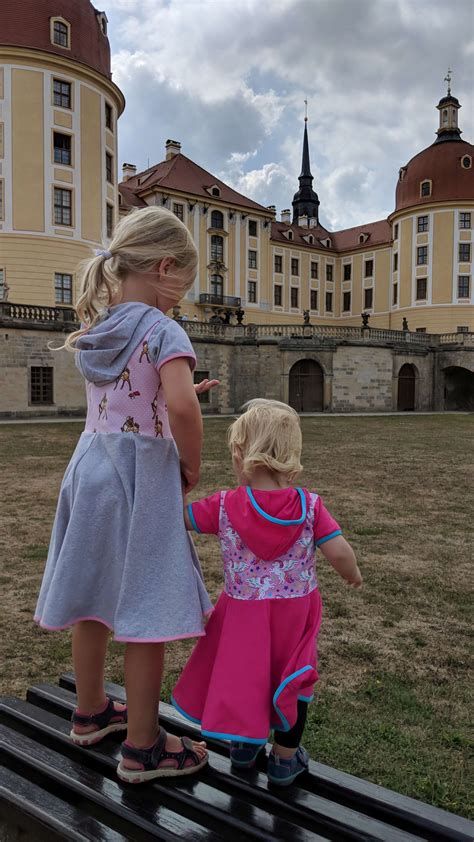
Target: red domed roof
{"points": [[27, 24], [441, 164]]}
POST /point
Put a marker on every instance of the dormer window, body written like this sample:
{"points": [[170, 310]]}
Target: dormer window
{"points": [[102, 21], [327, 243], [61, 33], [290, 235], [466, 162], [425, 188], [311, 239], [214, 190], [402, 173], [363, 237]]}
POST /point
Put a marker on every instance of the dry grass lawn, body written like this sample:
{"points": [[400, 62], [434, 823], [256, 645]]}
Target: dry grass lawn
{"points": [[392, 704]]}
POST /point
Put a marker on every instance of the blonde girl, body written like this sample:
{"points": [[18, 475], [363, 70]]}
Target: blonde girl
{"points": [[120, 559], [255, 670]]}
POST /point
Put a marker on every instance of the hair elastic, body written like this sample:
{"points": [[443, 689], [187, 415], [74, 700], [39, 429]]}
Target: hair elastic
{"points": [[103, 253]]}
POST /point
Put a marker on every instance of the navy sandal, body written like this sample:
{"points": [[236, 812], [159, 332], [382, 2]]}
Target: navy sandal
{"points": [[107, 722], [150, 759], [244, 755], [283, 772]]}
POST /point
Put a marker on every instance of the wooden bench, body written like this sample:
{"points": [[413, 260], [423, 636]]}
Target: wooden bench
{"points": [[52, 790]]}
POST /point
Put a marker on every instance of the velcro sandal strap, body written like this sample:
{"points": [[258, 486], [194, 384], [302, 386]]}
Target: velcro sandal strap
{"points": [[100, 719], [148, 757]]}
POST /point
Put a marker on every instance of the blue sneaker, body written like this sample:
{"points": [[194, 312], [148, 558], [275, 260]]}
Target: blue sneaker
{"points": [[244, 755], [283, 772]]}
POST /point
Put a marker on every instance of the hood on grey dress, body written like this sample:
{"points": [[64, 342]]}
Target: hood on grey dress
{"points": [[104, 351]]}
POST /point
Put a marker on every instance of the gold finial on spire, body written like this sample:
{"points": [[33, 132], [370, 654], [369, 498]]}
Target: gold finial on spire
{"points": [[447, 79], [306, 110]]}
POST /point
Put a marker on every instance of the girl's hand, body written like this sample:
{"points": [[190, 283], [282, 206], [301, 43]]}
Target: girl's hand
{"points": [[205, 386], [190, 479], [356, 580]]}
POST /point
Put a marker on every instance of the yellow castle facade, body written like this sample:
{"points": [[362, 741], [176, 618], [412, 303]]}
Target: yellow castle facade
{"points": [[58, 146]]}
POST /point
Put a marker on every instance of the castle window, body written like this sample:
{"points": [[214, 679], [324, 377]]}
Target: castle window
{"points": [[294, 297], [41, 385], [217, 248], [395, 231], [368, 298], [61, 93], [217, 219], [346, 302], [329, 273], [462, 329], [295, 266], [464, 286], [252, 228], [61, 30], [62, 288], [422, 255], [395, 262], [62, 149], [178, 211], [466, 162], [311, 239], [402, 173], [2, 201], [217, 287], [445, 116], [62, 206], [464, 252], [420, 330], [109, 214], [290, 235], [109, 168], [314, 270], [252, 292], [421, 289], [102, 21], [215, 191], [329, 302], [425, 188], [278, 263], [314, 299], [3, 285], [277, 295], [109, 117], [368, 269], [422, 224], [347, 271], [252, 259], [395, 294], [464, 220]]}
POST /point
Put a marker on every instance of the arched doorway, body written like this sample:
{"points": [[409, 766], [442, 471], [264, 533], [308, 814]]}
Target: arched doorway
{"points": [[307, 386], [406, 388], [458, 388]]}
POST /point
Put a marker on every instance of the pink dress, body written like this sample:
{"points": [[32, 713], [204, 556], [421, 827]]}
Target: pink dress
{"points": [[258, 657]]}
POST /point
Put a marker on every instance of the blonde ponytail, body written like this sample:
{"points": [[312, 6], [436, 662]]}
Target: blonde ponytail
{"points": [[141, 240]]}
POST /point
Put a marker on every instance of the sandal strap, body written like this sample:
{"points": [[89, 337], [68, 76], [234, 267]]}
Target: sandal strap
{"points": [[151, 758], [102, 720]]}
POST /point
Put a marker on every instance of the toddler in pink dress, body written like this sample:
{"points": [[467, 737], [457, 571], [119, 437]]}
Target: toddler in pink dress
{"points": [[255, 670]]}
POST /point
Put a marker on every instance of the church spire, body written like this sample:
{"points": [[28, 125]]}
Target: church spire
{"points": [[306, 201]]}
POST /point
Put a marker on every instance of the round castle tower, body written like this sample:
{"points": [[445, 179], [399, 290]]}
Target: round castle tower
{"points": [[58, 146]]}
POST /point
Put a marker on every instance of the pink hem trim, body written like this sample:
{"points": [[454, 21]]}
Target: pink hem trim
{"points": [[189, 356], [71, 623], [158, 639]]}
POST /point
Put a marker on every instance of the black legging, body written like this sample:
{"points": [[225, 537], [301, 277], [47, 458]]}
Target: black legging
{"points": [[292, 738]]}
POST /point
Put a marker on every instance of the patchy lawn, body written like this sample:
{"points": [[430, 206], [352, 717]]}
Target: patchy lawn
{"points": [[392, 704]]}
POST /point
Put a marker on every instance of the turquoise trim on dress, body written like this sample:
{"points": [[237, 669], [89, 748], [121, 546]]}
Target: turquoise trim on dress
{"points": [[279, 690], [328, 537], [216, 734], [276, 519], [193, 519]]}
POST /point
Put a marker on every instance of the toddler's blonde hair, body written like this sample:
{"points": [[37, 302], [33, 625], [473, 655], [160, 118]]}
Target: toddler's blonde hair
{"points": [[267, 434], [141, 240]]}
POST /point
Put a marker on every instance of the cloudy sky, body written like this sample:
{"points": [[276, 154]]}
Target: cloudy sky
{"points": [[227, 78]]}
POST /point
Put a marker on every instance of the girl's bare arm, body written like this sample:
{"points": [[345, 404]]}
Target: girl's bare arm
{"points": [[341, 555], [185, 418]]}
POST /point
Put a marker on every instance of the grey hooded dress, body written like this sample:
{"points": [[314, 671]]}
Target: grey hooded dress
{"points": [[119, 550]]}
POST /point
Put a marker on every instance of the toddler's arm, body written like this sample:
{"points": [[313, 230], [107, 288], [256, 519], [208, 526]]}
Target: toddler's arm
{"points": [[341, 555], [184, 415]]}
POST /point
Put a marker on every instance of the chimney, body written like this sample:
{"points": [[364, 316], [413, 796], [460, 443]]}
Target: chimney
{"points": [[172, 148], [286, 216], [128, 171], [272, 209], [303, 220]]}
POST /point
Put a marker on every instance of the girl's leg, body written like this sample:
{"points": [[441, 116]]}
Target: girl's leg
{"points": [[286, 742], [143, 674], [89, 648]]}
